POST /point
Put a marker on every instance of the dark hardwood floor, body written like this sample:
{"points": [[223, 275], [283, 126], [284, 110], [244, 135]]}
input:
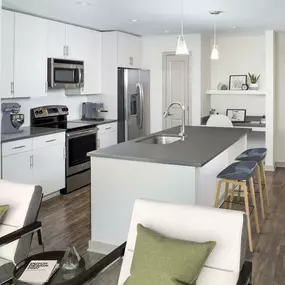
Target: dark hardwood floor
{"points": [[66, 222]]}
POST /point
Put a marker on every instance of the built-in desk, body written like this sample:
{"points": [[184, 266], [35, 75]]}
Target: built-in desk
{"points": [[254, 128], [257, 137]]}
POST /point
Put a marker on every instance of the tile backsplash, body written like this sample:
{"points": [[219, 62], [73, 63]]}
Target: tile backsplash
{"points": [[54, 97]]}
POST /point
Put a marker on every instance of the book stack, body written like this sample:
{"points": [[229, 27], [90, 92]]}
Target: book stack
{"points": [[39, 272]]}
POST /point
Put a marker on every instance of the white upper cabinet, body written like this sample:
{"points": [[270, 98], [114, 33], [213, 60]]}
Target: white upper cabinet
{"points": [[30, 73], [7, 53], [56, 40], [129, 51], [75, 42], [84, 44], [92, 63]]}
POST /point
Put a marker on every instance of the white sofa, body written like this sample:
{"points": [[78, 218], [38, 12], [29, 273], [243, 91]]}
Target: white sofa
{"points": [[18, 224], [226, 264]]}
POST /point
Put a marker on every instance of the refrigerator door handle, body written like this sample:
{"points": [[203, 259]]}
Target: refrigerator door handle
{"points": [[141, 107]]}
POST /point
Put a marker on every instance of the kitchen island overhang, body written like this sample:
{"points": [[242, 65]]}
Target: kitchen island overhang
{"points": [[182, 172]]}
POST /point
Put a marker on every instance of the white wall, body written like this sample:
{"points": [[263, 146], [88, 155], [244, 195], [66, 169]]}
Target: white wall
{"points": [[280, 99], [270, 57], [205, 75], [0, 85], [56, 97], [239, 54], [152, 56]]}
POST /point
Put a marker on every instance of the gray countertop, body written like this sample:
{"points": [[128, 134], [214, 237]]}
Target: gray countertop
{"points": [[97, 123], [251, 122], [201, 146], [29, 132]]}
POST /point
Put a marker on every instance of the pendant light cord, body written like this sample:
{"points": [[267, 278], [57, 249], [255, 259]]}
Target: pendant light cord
{"points": [[215, 33], [182, 22]]}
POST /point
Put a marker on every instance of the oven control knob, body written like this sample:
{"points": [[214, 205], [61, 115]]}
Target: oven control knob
{"points": [[40, 112], [37, 112]]}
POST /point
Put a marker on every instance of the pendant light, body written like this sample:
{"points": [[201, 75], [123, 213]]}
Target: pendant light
{"points": [[215, 50], [182, 48]]}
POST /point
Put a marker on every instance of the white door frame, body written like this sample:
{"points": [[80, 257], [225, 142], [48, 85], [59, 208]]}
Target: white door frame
{"points": [[164, 88]]}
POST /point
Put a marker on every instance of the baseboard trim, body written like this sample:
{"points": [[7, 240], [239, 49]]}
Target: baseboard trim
{"points": [[100, 247], [270, 167], [51, 196], [280, 164]]}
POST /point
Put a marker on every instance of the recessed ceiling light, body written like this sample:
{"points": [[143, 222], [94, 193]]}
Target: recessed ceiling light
{"points": [[84, 2], [216, 12], [134, 20], [166, 31], [234, 27]]}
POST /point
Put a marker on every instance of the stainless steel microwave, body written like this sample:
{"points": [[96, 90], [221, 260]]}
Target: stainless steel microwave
{"points": [[63, 73]]}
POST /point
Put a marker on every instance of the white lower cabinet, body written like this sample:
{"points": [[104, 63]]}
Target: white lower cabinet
{"points": [[108, 139], [18, 167], [107, 135], [39, 161], [49, 168]]}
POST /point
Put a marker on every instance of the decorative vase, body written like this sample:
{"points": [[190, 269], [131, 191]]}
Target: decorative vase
{"points": [[253, 86]]}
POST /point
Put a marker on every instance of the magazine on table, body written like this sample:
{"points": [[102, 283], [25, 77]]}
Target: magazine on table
{"points": [[39, 271]]}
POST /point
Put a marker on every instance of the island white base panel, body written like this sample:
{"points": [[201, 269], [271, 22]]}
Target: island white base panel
{"points": [[116, 184]]}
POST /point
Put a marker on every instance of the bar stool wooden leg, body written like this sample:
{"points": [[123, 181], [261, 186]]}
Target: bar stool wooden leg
{"points": [[248, 216], [254, 204], [218, 193], [239, 191], [227, 191], [232, 196], [260, 192], [265, 183]]}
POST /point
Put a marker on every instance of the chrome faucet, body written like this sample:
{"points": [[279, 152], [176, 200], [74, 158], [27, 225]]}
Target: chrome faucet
{"points": [[167, 114]]}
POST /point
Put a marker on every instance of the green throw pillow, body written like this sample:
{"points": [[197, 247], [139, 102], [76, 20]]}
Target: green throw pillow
{"points": [[159, 260], [3, 210]]}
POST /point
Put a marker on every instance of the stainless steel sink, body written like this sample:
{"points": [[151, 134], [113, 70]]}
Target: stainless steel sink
{"points": [[160, 139]]}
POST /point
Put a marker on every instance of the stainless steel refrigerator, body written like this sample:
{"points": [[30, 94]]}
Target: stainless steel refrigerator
{"points": [[133, 104]]}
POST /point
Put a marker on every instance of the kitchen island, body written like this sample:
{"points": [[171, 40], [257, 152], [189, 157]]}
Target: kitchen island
{"points": [[181, 172]]}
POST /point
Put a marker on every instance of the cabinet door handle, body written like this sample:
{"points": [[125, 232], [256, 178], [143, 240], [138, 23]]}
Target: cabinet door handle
{"points": [[64, 152], [64, 50], [98, 143], [49, 141], [131, 60], [18, 147], [108, 128], [31, 161], [12, 87], [46, 87], [67, 50]]}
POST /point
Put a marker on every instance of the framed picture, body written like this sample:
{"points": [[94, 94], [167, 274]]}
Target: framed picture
{"points": [[237, 115], [237, 81]]}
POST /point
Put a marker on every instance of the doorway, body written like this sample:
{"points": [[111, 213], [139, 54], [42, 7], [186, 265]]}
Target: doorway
{"points": [[175, 88]]}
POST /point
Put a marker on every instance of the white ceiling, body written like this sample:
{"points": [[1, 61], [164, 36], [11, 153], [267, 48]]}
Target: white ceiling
{"points": [[156, 16]]}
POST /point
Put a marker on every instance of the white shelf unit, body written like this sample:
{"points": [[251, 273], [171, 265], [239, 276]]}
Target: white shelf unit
{"points": [[237, 92], [254, 129]]}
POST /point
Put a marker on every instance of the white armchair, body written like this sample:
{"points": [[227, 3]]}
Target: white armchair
{"points": [[226, 264], [18, 225]]}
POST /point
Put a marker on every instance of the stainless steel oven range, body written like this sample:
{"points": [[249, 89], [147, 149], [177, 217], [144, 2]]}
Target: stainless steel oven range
{"points": [[80, 139]]}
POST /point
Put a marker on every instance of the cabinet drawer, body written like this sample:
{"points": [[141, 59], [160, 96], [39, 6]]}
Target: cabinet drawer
{"points": [[49, 140], [102, 129], [15, 147]]}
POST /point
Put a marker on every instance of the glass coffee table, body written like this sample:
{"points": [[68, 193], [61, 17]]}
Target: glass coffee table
{"points": [[109, 276]]}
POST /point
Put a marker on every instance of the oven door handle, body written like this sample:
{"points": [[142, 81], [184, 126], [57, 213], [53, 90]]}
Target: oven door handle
{"points": [[79, 134], [79, 76]]}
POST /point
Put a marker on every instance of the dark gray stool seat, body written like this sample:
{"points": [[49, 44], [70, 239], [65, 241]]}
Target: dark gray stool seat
{"points": [[242, 170], [253, 154]]}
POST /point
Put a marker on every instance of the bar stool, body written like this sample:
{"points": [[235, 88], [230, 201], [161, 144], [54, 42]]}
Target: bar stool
{"points": [[239, 174], [258, 155]]}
